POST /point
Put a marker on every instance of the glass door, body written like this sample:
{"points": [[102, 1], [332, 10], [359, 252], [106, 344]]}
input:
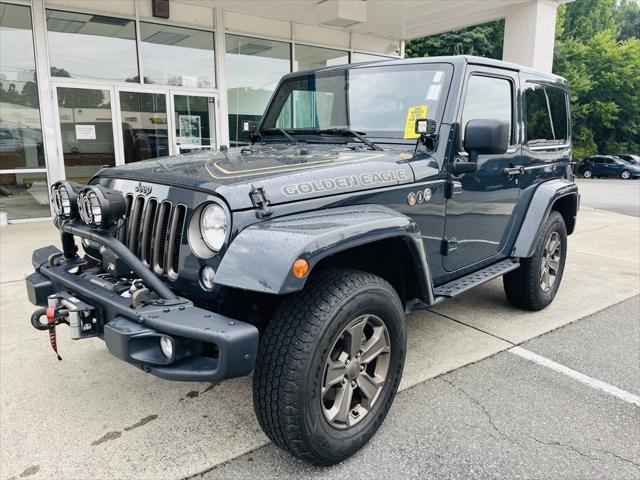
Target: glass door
{"points": [[143, 123], [85, 129], [194, 117]]}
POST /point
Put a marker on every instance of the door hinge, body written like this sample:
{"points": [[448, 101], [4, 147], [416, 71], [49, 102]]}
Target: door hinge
{"points": [[260, 201], [448, 245], [453, 187]]}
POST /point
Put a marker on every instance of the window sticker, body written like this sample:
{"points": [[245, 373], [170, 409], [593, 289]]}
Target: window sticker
{"points": [[434, 92], [437, 77], [414, 113]]}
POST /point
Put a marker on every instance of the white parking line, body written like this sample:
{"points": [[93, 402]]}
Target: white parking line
{"points": [[581, 377]]}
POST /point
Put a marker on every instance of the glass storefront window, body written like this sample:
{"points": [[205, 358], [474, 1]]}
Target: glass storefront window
{"points": [[177, 56], [20, 131], [254, 67], [195, 122], [23, 194], [92, 46], [144, 125], [308, 57], [368, 57], [86, 125]]}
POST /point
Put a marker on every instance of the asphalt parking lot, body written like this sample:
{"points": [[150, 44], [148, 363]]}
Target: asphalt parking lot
{"points": [[470, 406], [503, 417]]}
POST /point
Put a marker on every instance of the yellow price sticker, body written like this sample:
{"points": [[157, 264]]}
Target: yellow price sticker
{"points": [[414, 113]]}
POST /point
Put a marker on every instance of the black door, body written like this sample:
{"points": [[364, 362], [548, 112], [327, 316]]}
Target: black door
{"points": [[477, 216]]}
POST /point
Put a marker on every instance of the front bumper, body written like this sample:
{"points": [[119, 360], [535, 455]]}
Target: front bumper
{"points": [[207, 346]]}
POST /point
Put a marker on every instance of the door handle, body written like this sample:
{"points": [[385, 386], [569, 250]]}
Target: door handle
{"points": [[511, 171]]}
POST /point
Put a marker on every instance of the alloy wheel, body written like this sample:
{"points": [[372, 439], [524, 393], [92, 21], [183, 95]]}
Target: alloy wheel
{"points": [[355, 371], [625, 175], [550, 262], [587, 174]]}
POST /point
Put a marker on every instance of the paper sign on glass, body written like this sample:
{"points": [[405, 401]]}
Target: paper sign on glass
{"points": [[85, 132], [414, 113]]}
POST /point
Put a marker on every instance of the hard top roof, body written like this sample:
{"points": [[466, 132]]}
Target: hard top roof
{"points": [[455, 60]]}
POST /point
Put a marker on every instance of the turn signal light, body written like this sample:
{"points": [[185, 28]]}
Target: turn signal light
{"points": [[300, 268]]}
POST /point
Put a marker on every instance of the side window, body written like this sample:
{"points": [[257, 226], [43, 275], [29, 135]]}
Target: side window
{"points": [[558, 107], [547, 119], [490, 98]]}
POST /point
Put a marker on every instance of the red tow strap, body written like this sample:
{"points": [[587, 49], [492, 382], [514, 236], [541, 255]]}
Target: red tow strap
{"points": [[51, 321]]}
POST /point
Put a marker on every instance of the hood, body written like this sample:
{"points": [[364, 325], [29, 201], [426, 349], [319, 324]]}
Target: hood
{"points": [[285, 172]]}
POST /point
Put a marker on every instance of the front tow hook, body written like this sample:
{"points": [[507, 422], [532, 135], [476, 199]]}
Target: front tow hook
{"points": [[55, 316]]}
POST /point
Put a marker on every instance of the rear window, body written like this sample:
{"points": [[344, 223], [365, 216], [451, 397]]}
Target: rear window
{"points": [[547, 119]]}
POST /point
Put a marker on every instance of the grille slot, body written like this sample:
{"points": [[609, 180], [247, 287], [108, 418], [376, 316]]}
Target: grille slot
{"points": [[153, 230], [175, 237], [162, 225]]}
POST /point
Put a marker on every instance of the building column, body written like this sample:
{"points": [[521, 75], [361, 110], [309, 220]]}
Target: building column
{"points": [[529, 34], [221, 76]]}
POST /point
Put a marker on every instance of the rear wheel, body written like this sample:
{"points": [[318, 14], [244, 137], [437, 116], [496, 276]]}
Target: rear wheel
{"points": [[329, 365], [534, 285], [587, 173], [625, 175]]}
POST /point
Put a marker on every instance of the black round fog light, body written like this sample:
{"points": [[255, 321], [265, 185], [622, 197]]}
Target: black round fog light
{"points": [[100, 207]]}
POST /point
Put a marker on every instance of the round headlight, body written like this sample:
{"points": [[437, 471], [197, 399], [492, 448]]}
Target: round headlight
{"points": [[213, 226]]}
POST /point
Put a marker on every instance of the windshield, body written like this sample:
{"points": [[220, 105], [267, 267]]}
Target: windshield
{"points": [[376, 101]]}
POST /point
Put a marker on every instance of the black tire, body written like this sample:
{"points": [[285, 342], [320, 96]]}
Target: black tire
{"points": [[523, 286], [292, 355], [625, 175]]}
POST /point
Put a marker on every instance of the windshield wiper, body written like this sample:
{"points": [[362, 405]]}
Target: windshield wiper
{"points": [[286, 134], [360, 136]]}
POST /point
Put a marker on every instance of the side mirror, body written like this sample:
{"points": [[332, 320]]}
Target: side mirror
{"points": [[484, 136]]}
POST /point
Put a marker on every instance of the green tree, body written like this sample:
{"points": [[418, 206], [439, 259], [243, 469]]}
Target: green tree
{"points": [[484, 40], [584, 18], [629, 18], [598, 51]]}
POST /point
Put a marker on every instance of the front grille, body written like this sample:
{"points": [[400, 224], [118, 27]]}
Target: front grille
{"points": [[153, 230]]}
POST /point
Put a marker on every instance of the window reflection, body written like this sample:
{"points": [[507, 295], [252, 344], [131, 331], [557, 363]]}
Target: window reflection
{"points": [[177, 56], [92, 46], [254, 67], [488, 98], [144, 125], [308, 57], [195, 122], [22, 194], [87, 131]]}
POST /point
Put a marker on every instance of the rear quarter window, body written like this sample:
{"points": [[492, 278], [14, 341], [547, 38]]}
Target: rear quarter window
{"points": [[547, 119]]}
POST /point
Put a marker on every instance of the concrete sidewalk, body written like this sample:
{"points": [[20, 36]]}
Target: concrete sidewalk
{"points": [[91, 416]]}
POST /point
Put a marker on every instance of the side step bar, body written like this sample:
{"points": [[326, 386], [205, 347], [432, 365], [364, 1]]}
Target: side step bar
{"points": [[474, 279]]}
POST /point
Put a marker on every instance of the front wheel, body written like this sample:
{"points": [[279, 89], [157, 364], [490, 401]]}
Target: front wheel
{"points": [[587, 173], [329, 365], [534, 285], [625, 175]]}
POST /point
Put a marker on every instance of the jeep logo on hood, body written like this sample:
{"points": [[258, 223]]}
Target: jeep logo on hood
{"points": [[143, 189]]}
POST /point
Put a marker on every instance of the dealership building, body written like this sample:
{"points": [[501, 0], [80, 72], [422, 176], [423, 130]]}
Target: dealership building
{"points": [[87, 83]]}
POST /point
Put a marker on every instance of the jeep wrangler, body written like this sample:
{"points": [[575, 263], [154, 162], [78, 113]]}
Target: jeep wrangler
{"points": [[367, 191]]}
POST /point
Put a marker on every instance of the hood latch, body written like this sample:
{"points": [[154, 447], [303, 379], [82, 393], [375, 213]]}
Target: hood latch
{"points": [[260, 201]]}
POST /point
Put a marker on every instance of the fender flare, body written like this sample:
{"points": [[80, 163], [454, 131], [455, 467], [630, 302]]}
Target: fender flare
{"points": [[261, 256], [539, 207]]}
